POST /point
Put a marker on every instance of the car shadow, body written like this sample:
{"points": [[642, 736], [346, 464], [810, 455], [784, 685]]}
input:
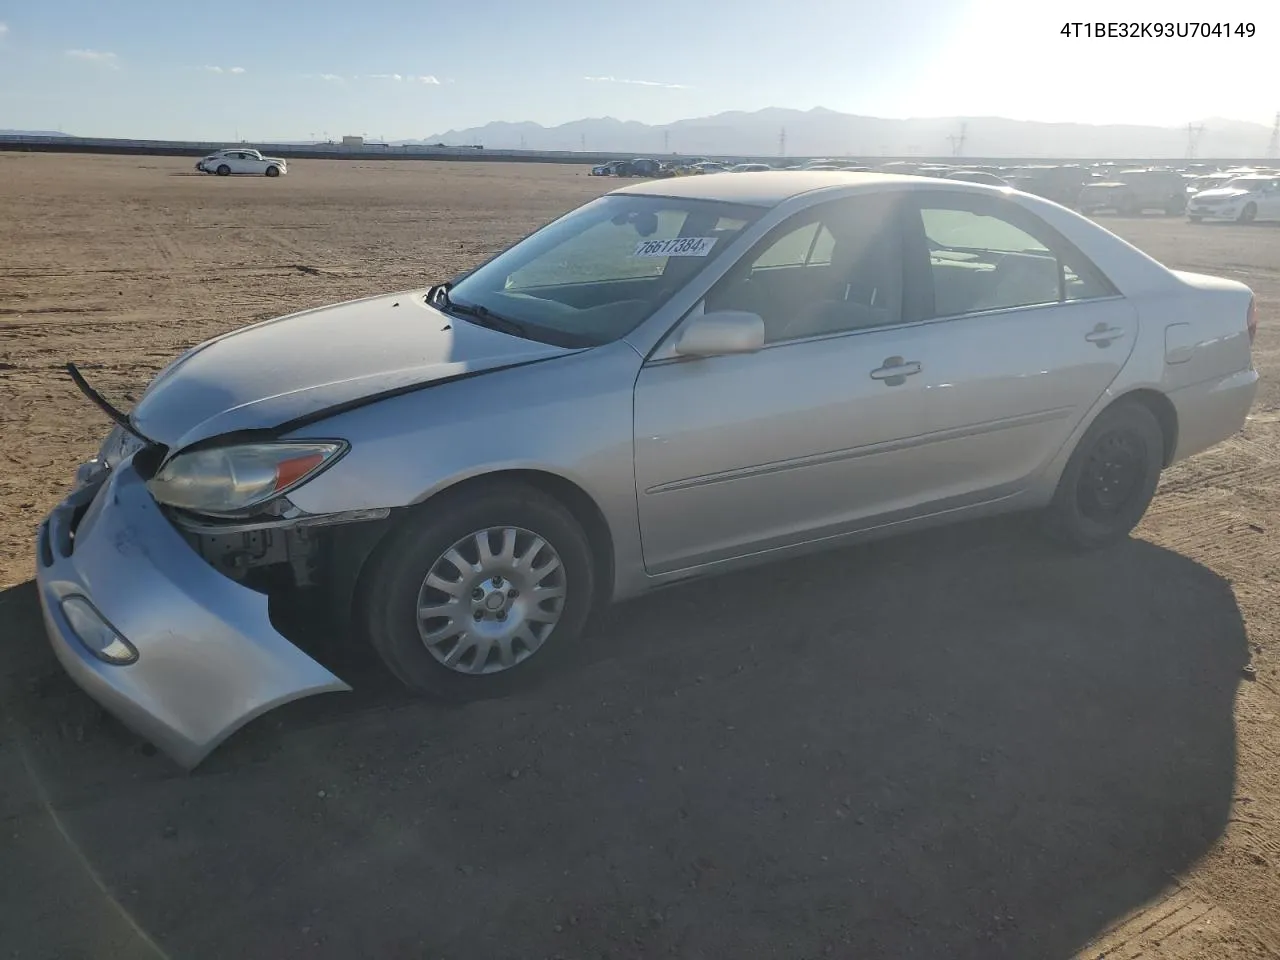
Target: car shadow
{"points": [[958, 744]]}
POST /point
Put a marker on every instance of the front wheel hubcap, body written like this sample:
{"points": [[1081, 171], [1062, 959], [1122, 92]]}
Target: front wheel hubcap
{"points": [[491, 600]]}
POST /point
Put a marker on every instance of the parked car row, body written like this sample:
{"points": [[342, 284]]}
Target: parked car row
{"points": [[1245, 194]]}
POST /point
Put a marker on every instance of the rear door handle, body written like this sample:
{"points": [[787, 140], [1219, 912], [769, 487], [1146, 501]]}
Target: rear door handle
{"points": [[895, 370], [1102, 335]]}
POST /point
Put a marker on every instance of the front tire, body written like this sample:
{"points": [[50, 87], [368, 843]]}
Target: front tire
{"points": [[1249, 212], [1109, 480], [224, 170], [273, 171], [479, 593]]}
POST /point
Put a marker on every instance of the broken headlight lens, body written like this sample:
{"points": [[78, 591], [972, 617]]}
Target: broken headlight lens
{"points": [[119, 445], [231, 480]]}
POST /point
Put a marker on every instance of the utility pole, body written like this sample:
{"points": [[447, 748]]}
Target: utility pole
{"points": [[1194, 132], [1273, 147], [782, 142]]}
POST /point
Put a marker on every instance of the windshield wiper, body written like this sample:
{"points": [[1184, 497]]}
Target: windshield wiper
{"points": [[482, 316]]}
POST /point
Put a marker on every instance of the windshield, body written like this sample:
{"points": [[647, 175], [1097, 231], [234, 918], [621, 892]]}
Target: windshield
{"points": [[1250, 183], [592, 276]]}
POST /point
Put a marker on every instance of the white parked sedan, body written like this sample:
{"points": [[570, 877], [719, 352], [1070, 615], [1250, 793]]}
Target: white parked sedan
{"points": [[1246, 199], [677, 379], [224, 163]]}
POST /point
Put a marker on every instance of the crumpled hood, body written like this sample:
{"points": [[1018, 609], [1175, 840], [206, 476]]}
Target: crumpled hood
{"points": [[299, 365], [1221, 193]]}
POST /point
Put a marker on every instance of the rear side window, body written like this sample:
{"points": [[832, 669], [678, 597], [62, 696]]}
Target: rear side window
{"points": [[983, 259]]}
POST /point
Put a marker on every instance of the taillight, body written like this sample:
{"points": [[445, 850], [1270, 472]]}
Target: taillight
{"points": [[1252, 320]]}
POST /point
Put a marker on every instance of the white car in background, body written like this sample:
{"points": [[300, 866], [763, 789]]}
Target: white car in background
{"points": [[1246, 199], [242, 161]]}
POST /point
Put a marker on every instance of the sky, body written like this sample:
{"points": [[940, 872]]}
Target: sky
{"points": [[400, 69]]}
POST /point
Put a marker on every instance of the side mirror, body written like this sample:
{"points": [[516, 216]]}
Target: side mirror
{"points": [[721, 332]]}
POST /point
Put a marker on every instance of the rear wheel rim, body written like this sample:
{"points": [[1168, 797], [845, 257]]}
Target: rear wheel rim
{"points": [[1112, 476], [491, 600]]}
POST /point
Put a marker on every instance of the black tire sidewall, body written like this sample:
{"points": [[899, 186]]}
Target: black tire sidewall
{"points": [[273, 171], [389, 589], [223, 170], [1066, 522], [1249, 213]]}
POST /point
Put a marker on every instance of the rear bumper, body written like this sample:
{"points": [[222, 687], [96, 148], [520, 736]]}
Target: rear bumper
{"points": [[1213, 411], [208, 659]]}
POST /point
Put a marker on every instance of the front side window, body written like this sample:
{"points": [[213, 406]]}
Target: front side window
{"points": [[831, 270], [980, 261], [595, 274]]}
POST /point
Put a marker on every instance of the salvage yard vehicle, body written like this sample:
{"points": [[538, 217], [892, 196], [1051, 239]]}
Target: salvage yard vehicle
{"points": [[224, 163], [1248, 198], [976, 176], [1131, 192], [1061, 184], [674, 380]]}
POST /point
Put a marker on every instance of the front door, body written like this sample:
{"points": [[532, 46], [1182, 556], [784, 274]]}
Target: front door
{"points": [[812, 436], [1269, 201]]}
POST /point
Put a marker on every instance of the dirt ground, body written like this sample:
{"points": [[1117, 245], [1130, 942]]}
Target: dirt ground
{"points": [[979, 748]]}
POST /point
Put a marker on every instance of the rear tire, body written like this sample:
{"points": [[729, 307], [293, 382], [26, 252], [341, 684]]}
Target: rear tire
{"points": [[224, 170], [488, 618], [1249, 212], [1109, 480]]}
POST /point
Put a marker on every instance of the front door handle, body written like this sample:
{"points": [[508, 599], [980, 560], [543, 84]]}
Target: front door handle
{"points": [[895, 370], [1102, 335]]}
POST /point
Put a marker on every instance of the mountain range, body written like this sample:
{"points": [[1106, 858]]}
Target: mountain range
{"points": [[820, 132]]}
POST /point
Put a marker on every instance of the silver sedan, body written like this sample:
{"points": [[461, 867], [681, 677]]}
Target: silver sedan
{"points": [[678, 379]]}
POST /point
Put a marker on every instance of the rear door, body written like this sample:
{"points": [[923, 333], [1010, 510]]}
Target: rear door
{"points": [[1026, 335]]}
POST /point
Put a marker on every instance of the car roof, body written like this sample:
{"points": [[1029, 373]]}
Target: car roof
{"points": [[768, 189]]}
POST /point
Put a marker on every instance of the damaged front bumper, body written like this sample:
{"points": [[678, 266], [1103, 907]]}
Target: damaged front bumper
{"points": [[206, 657]]}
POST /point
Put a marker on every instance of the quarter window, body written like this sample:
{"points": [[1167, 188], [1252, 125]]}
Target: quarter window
{"points": [[978, 262]]}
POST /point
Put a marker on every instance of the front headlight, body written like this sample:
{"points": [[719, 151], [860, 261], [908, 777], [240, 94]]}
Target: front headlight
{"points": [[231, 480]]}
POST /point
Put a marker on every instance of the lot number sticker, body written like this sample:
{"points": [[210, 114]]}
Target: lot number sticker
{"points": [[679, 247]]}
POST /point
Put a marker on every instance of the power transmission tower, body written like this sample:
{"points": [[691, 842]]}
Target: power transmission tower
{"points": [[957, 142], [1194, 132], [782, 142], [1273, 147], [666, 141], [582, 141]]}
